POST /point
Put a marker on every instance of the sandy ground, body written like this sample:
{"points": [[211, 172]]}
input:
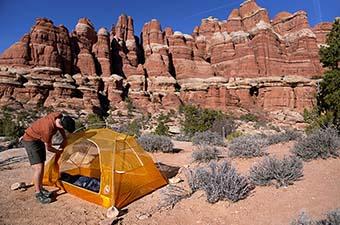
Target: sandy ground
{"points": [[317, 193]]}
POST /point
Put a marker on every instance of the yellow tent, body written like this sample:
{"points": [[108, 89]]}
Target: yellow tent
{"points": [[125, 171]]}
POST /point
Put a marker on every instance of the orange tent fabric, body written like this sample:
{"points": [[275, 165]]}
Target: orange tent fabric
{"points": [[125, 170]]}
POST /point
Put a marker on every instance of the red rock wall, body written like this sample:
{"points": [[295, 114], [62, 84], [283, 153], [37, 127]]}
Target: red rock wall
{"points": [[214, 67]]}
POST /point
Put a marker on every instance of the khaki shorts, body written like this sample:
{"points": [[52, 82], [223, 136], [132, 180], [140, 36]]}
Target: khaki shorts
{"points": [[35, 151]]}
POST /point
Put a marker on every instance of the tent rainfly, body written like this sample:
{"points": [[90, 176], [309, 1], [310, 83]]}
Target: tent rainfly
{"points": [[104, 167]]}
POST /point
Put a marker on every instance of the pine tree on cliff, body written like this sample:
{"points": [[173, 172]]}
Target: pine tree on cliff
{"points": [[329, 93]]}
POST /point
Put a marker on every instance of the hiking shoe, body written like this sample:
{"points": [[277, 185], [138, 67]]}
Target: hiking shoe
{"points": [[42, 198], [46, 192]]}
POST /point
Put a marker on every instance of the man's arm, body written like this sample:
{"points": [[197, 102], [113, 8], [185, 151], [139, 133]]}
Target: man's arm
{"points": [[64, 143], [50, 148]]}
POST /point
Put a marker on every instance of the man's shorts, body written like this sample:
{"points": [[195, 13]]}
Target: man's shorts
{"points": [[35, 151]]}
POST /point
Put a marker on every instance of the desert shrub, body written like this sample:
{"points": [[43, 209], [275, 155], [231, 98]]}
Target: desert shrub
{"points": [[315, 120], [322, 143], [130, 106], [162, 128], [94, 121], [234, 135], [171, 195], [332, 218], [247, 146], [182, 137], [288, 135], [328, 98], [249, 117], [154, 143], [220, 182], [133, 128], [284, 172], [207, 138], [205, 153], [197, 119], [303, 219], [223, 126], [79, 124], [10, 126]]}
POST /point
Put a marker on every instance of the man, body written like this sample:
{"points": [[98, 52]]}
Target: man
{"points": [[37, 139]]}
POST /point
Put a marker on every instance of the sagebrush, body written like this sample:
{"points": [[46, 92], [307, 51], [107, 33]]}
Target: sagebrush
{"points": [[332, 218], [220, 181], [275, 171], [223, 126], [133, 128], [322, 143], [288, 135], [248, 146], [154, 143], [207, 138], [205, 153], [171, 195]]}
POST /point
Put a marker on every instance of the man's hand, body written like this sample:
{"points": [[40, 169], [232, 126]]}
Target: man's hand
{"points": [[50, 148], [60, 150]]}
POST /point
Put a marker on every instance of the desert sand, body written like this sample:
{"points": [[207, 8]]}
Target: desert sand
{"points": [[317, 193]]}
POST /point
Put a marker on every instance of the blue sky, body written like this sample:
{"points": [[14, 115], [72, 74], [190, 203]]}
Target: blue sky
{"points": [[17, 16]]}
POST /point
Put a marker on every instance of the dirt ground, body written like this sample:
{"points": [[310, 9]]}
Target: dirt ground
{"points": [[317, 193]]}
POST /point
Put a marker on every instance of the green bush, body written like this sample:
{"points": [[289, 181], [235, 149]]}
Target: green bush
{"points": [[14, 125], [130, 106], [316, 120], [330, 54], [162, 128], [95, 121], [8, 128], [197, 119], [133, 128], [234, 135], [249, 117], [328, 97]]}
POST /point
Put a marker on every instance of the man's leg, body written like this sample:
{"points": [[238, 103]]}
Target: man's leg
{"points": [[38, 176]]}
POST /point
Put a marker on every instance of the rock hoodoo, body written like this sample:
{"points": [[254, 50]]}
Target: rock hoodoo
{"points": [[246, 61]]}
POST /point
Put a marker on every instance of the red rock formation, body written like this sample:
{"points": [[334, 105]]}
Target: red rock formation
{"points": [[185, 64], [321, 30], [245, 61], [124, 47], [84, 37], [45, 45], [155, 49], [234, 22], [103, 53], [18, 54], [252, 14]]}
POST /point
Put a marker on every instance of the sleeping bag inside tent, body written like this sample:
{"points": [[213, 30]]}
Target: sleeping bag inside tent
{"points": [[104, 167]]}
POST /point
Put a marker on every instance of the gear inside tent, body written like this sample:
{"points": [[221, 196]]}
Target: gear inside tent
{"points": [[104, 167]]}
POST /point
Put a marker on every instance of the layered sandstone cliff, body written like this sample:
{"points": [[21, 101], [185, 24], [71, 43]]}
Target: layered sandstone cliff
{"points": [[246, 61]]}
